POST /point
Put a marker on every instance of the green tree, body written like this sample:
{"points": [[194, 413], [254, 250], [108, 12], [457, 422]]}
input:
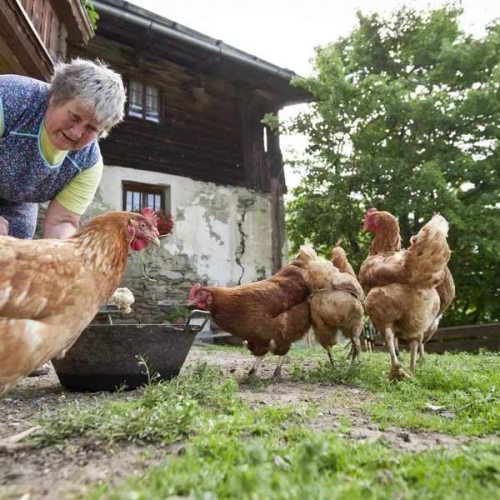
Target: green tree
{"points": [[406, 118], [92, 14]]}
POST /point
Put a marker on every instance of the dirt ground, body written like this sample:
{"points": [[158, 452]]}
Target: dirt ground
{"points": [[66, 472]]}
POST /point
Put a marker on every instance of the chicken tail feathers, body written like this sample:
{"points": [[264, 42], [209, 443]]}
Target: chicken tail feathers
{"points": [[339, 259], [426, 259]]}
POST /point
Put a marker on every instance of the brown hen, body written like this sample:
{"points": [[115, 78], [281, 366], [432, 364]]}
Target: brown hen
{"points": [[400, 286], [336, 300], [269, 315], [50, 290]]}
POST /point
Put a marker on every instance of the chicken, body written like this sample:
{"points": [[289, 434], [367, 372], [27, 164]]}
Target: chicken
{"points": [[269, 315], [50, 290], [336, 301], [400, 285], [122, 298], [446, 292]]}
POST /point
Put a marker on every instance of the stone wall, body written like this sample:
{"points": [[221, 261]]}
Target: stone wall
{"points": [[221, 236]]}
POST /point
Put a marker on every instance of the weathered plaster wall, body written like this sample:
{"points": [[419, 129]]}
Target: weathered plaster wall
{"points": [[221, 236]]}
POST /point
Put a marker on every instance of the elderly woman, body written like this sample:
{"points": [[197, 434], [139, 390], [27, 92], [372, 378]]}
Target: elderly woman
{"points": [[48, 145]]}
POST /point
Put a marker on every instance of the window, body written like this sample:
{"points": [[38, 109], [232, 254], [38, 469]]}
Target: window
{"points": [[138, 196], [144, 101]]}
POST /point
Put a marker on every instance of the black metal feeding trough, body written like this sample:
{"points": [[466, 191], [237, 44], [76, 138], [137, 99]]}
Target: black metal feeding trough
{"points": [[107, 357]]}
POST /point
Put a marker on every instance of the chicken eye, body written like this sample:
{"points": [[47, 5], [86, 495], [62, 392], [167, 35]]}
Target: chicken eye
{"points": [[143, 225]]}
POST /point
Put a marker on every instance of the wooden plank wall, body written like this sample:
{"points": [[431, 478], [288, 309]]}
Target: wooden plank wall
{"points": [[50, 28], [209, 130]]}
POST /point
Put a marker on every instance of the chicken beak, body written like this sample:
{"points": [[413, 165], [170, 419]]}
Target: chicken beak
{"points": [[190, 302], [154, 239]]}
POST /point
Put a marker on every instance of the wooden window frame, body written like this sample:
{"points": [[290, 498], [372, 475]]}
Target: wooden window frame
{"points": [[145, 85], [144, 190]]}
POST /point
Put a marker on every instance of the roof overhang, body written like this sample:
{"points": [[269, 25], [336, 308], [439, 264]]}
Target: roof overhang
{"points": [[72, 13], [267, 80]]}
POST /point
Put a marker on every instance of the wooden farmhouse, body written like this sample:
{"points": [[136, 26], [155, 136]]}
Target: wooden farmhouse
{"points": [[193, 145], [36, 33]]}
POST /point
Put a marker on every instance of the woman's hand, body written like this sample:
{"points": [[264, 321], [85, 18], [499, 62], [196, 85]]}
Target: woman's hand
{"points": [[4, 226]]}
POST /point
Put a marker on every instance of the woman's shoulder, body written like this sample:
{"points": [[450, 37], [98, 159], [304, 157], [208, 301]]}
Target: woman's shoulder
{"points": [[22, 98], [11, 85]]}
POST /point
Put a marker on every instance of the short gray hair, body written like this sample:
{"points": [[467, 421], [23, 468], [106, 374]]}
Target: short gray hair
{"points": [[95, 86]]}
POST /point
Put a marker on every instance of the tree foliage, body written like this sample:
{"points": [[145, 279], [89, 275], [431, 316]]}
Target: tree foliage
{"points": [[406, 118], [92, 14]]}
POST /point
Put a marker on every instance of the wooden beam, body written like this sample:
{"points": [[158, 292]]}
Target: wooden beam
{"points": [[253, 146], [491, 329], [19, 35], [209, 64], [276, 226], [9, 63], [75, 18]]}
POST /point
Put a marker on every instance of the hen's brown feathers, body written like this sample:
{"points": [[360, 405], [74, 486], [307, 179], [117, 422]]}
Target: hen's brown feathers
{"points": [[382, 270], [446, 291], [388, 239], [323, 275], [50, 290], [272, 309], [336, 298], [401, 285], [36, 279], [425, 261], [339, 260]]}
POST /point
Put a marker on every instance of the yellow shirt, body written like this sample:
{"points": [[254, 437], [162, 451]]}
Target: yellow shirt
{"points": [[79, 193]]}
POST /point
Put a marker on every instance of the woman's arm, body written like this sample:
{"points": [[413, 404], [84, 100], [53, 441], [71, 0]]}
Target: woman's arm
{"points": [[59, 222]]}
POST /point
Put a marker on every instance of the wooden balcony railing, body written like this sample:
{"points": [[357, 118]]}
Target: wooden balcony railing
{"points": [[34, 34], [50, 29]]}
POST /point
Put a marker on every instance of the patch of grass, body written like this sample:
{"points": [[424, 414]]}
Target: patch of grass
{"points": [[296, 463], [163, 412], [255, 382], [235, 450], [457, 393]]}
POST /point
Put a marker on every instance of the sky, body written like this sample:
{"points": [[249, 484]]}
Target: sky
{"points": [[285, 32]]}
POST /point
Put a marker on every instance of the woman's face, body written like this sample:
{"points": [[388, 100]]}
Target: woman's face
{"points": [[70, 126]]}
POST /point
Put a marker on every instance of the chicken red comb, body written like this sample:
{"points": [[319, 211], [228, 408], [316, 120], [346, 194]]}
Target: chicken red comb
{"points": [[369, 213], [367, 217], [193, 290], [150, 215]]}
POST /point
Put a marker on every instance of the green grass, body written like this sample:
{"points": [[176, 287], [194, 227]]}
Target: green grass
{"points": [[455, 393], [232, 449], [296, 464], [165, 412]]}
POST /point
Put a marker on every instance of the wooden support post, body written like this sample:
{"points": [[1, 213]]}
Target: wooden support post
{"points": [[276, 231]]}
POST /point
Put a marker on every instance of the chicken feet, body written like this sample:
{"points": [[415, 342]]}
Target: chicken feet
{"points": [[277, 372], [330, 356], [258, 361], [397, 372], [355, 350], [414, 347]]}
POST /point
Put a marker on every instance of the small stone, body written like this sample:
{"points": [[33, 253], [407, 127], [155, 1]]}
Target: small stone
{"points": [[405, 437]]}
